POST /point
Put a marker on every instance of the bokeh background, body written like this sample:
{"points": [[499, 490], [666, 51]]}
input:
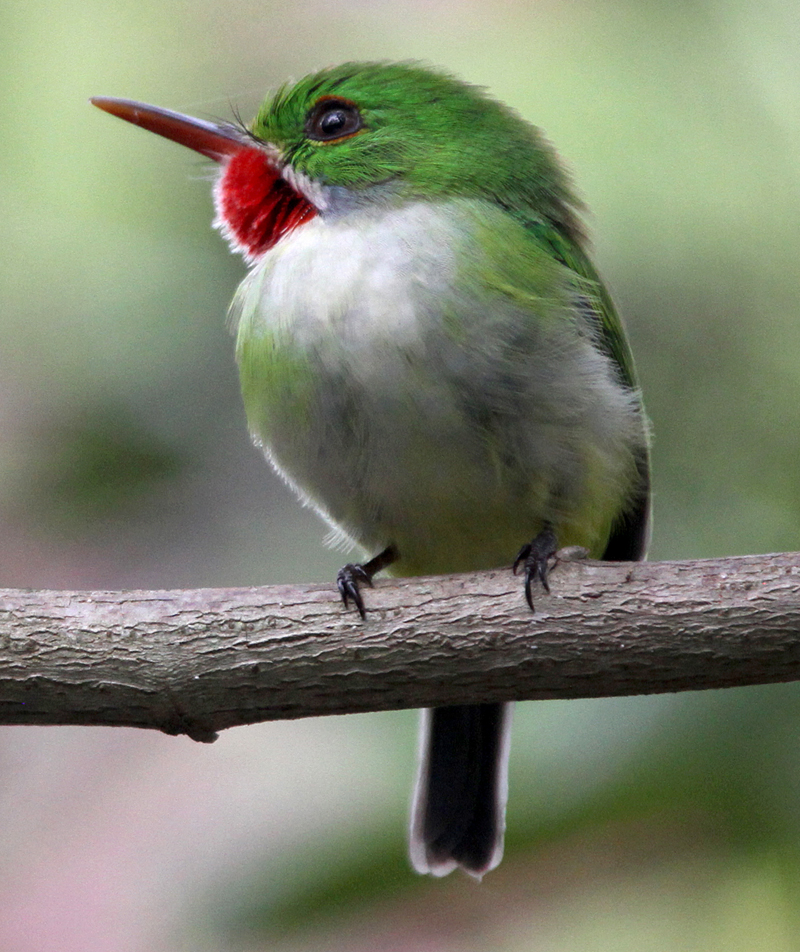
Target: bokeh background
{"points": [[665, 823]]}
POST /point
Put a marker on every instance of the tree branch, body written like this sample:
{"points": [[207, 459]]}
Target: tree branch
{"points": [[195, 662]]}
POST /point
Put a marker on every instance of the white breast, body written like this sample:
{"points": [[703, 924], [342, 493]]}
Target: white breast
{"points": [[359, 277], [441, 415]]}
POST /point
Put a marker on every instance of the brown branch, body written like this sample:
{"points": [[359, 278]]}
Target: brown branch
{"points": [[195, 662]]}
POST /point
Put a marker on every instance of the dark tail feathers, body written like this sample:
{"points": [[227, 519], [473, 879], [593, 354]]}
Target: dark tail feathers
{"points": [[458, 814]]}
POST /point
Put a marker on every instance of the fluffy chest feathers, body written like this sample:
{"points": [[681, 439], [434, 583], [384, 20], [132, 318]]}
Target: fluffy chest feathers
{"points": [[423, 376], [352, 282]]}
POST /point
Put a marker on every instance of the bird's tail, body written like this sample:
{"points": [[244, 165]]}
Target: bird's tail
{"points": [[458, 813]]}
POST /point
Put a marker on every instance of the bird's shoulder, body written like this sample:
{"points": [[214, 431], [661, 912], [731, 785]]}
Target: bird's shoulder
{"points": [[591, 295]]}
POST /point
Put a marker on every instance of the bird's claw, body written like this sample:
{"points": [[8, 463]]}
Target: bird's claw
{"points": [[349, 580], [535, 556]]}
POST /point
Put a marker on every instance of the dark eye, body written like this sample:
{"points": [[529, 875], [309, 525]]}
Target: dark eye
{"points": [[332, 119]]}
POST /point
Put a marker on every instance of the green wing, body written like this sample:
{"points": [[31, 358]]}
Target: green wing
{"points": [[630, 533], [594, 298]]}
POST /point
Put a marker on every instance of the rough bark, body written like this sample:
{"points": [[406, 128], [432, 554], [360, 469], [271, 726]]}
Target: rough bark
{"points": [[195, 662]]}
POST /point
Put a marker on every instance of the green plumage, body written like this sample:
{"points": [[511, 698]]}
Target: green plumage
{"points": [[429, 134], [428, 356], [434, 364]]}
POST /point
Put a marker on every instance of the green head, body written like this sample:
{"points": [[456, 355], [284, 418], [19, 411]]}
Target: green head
{"points": [[363, 124], [384, 132]]}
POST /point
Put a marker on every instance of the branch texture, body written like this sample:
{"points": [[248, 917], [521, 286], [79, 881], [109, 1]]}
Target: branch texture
{"points": [[195, 662]]}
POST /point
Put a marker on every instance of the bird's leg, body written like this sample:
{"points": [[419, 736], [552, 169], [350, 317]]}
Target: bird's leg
{"points": [[535, 556], [350, 578]]}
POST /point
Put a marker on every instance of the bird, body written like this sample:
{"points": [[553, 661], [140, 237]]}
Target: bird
{"points": [[429, 358]]}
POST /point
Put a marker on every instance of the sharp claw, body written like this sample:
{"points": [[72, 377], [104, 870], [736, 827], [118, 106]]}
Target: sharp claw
{"points": [[528, 594], [349, 591], [347, 586], [352, 576], [522, 555], [348, 581], [358, 601], [536, 557], [542, 571]]}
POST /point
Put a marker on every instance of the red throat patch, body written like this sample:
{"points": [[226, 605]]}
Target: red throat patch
{"points": [[255, 206]]}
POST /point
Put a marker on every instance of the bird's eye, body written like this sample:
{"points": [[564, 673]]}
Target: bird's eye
{"points": [[332, 119]]}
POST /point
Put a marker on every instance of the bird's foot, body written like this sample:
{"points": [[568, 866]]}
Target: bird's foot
{"points": [[349, 579], [535, 556], [352, 576]]}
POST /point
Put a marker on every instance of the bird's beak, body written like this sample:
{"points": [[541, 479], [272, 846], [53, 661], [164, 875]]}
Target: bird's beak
{"points": [[218, 141]]}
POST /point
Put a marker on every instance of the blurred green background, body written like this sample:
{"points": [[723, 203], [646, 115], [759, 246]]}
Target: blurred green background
{"points": [[667, 823]]}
